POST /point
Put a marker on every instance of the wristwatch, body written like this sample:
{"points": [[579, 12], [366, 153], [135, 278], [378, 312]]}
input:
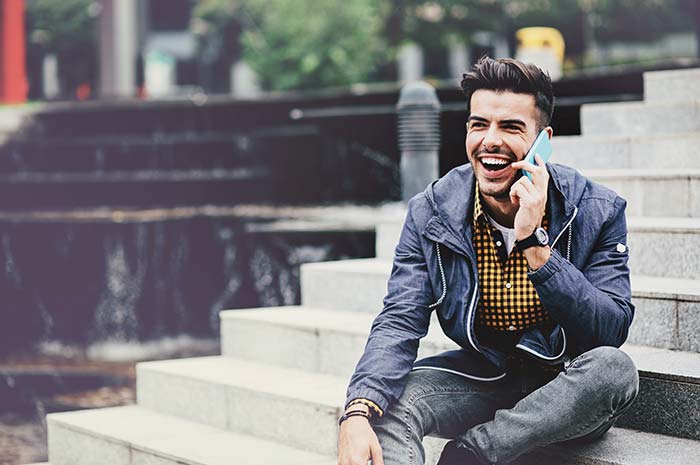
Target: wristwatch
{"points": [[538, 238]]}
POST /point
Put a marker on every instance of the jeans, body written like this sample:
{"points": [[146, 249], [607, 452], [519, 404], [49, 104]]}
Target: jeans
{"points": [[532, 406]]}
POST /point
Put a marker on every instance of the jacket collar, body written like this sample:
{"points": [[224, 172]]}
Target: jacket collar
{"points": [[452, 201]]}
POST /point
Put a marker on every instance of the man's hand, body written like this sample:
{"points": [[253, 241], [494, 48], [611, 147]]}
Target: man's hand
{"points": [[531, 196], [357, 442]]}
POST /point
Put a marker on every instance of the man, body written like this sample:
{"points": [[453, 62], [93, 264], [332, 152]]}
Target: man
{"points": [[530, 278]]}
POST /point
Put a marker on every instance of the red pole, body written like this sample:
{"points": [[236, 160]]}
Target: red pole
{"points": [[13, 77]]}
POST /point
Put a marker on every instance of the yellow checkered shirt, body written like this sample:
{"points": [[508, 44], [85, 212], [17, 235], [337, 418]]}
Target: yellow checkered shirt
{"points": [[508, 301]]}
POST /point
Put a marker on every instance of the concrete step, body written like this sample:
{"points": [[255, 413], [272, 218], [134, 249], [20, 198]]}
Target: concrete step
{"points": [[136, 436], [654, 192], [620, 151], [309, 339], [669, 388], [331, 342], [667, 313], [247, 397], [643, 118], [666, 247], [666, 317], [668, 309], [672, 86], [659, 246], [290, 407]]}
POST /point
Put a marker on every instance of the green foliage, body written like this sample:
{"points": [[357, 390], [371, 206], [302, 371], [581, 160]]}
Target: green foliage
{"points": [[300, 44]]}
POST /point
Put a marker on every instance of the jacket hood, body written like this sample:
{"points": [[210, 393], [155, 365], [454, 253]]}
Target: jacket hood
{"points": [[452, 196]]}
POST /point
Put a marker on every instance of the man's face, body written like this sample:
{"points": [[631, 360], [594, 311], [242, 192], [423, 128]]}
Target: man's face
{"points": [[501, 128]]}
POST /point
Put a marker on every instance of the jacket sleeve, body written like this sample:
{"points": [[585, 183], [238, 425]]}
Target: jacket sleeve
{"points": [[392, 345], [593, 304]]}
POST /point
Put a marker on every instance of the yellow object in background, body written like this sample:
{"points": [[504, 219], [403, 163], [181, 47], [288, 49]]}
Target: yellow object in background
{"points": [[543, 46]]}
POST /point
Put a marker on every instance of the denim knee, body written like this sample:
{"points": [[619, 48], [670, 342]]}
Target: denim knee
{"points": [[614, 371]]}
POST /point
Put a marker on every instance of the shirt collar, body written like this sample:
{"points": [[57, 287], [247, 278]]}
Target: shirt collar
{"points": [[478, 210]]}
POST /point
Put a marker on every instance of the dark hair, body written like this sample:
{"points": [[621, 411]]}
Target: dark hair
{"points": [[507, 74]]}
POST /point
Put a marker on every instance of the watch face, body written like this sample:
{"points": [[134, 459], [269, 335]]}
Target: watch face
{"points": [[542, 236]]}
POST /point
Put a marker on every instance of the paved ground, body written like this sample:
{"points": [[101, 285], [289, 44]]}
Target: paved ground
{"points": [[21, 440], [23, 434]]}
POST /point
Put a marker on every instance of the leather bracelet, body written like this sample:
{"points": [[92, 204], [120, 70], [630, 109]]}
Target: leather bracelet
{"points": [[353, 413]]}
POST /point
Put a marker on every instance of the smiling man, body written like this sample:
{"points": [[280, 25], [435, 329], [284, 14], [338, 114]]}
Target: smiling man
{"points": [[529, 278]]}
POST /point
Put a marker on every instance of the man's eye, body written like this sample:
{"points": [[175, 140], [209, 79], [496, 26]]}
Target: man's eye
{"points": [[476, 125]]}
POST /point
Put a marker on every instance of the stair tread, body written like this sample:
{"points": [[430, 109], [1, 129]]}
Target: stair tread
{"points": [[661, 363], [622, 446], [643, 173], [270, 379], [642, 286], [172, 438], [663, 224], [614, 138], [180, 440]]}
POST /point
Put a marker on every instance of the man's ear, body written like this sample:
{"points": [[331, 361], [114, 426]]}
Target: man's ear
{"points": [[550, 131]]}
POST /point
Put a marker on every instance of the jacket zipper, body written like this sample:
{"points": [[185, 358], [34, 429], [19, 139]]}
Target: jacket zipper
{"points": [[563, 333]]}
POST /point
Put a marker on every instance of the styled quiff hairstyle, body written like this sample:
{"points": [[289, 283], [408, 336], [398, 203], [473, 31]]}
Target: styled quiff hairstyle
{"points": [[515, 76]]}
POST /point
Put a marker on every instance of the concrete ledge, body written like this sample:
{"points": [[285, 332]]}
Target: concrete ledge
{"points": [[247, 398], [150, 438], [659, 246], [309, 339], [672, 86], [657, 192], [643, 118], [358, 284], [616, 152], [135, 436]]}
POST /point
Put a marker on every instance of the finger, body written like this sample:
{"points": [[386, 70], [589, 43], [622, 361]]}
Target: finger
{"points": [[534, 170], [377, 455], [516, 193], [525, 197], [540, 176]]}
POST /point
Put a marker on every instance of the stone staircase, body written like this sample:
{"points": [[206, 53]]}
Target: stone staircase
{"points": [[275, 393]]}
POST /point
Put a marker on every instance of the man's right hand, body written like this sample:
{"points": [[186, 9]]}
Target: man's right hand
{"points": [[357, 442]]}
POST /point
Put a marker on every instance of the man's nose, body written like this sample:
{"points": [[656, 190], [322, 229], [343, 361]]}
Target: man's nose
{"points": [[492, 139]]}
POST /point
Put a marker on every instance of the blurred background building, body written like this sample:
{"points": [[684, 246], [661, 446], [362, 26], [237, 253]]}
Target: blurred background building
{"points": [[79, 49]]}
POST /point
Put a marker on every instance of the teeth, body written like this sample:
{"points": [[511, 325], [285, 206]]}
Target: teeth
{"points": [[494, 161]]}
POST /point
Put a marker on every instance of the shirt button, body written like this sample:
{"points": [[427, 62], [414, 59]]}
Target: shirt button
{"points": [[499, 243], [508, 285]]}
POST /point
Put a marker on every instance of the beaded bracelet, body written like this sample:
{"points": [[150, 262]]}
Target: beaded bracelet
{"points": [[353, 413], [372, 406]]}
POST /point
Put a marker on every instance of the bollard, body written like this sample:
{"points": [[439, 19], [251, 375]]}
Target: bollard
{"points": [[419, 137]]}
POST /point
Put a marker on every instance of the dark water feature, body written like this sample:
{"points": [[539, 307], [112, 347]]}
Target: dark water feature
{"points": [[90, 277], [93, 285]]}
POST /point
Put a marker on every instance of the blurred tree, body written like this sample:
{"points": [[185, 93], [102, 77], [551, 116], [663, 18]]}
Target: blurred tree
{"points": [[68, 29], [292, 44], [301, 44], [297, 44]]}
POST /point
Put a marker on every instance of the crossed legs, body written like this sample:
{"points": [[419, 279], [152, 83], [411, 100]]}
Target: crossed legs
{"points": [[499, 421]]}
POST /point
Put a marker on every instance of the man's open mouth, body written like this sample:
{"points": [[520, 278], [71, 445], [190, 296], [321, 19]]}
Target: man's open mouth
{"points": [[493, 164]]}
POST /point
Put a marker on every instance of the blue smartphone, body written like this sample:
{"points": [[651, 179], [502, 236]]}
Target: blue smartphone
{"points": [[541, 146]]}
